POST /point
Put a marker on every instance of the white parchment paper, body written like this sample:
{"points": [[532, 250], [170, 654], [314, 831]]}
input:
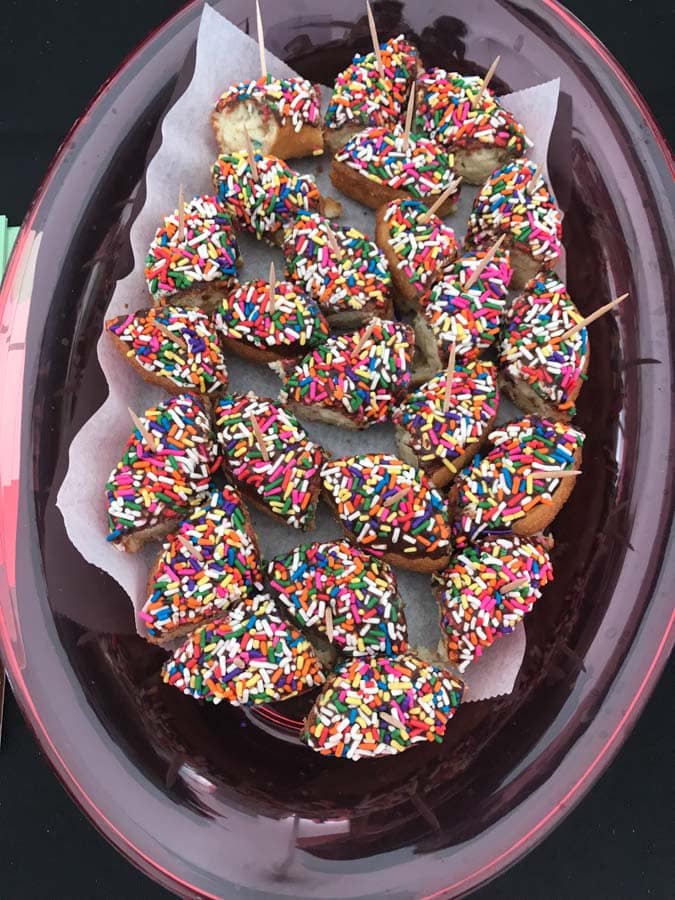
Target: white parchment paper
{"points": [[185, 157]]}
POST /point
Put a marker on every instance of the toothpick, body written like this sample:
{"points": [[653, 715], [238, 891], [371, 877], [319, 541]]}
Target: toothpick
{"points": [[174, 338], [251, 154], [449, 376], [364, 338], [483, 264], [395, 498], [329, 624], [532, 183], [374, 38], [181, 214], [408, 119], [257, 433], [333, 243], [593, 316], [391, 720], [439, 201], [514, 586], [189, 547], [486, 81], [261, 39], [145, 434], [272, 288], [552, 474]]}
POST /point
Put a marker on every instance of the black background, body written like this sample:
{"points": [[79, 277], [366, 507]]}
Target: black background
{"points": [[619, 842]]}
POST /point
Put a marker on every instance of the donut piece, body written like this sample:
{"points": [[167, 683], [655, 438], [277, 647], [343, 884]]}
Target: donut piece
{"points": [[390, 508], [172, 347], [418, 249], [372, 707], [341, 268], [195, 265], [363, 98], [486, 592], [441, 431], [352, 379], [540, 372], [262, 205], [247, 657], [165, 471], [270, 458], [344, 593], [374, 168], [262, 328], [531, 222], [508, 490], [211, 562], [468, 319], [481, 138], [282, 116]]}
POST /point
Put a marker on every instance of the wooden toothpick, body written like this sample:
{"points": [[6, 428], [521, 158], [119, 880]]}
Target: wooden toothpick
{"points": [[409, 119], [145, 434], [486, 81], [331, 237], [439, 201], [272, 288], [174, 338], [365, 337], [514, 586], [593, 316], [181, 214], [374, 38], [391, 720], [257, 433], [261, 39], [532, 183], [189, 547], [483, 264], [449, 376], [251, 154], [329, 624], [397, 497], [552, 474]]}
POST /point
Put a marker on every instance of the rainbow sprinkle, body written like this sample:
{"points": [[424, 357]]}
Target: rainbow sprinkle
{"points": [[423, 249], [530, 348], [210, 563], [207, 253], [469, 319], [360, 374], [388, 505], [358, 280], [175, 345], [502, 487], [361, 96], [151, 484], [380, 706], [294, 324], [439, 436], [263, 205], [532, 222], [270, 457], [248, 656], [445, 114], [379, 155], [343, 592], [293, 100], [475, 607]]}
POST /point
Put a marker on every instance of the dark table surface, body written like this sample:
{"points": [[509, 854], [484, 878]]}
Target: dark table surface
{"points": [[619, 843]]}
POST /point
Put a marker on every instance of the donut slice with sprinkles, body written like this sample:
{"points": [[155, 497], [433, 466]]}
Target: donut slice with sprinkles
{"points": [[443, 424], [341, 268], [262, 205], [515, 201], [247, 657], [523, 482], [541, 372], [264, 323], [380, 706], [375, 166], [282, 115], [210, 563], [419, 248], [352, 379], [192, 258], [480, 132], [165, 471], [172, 347], [344, 593], [363, 97], [462, 312], [487, 590], [270, 457], [390, 508]]}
